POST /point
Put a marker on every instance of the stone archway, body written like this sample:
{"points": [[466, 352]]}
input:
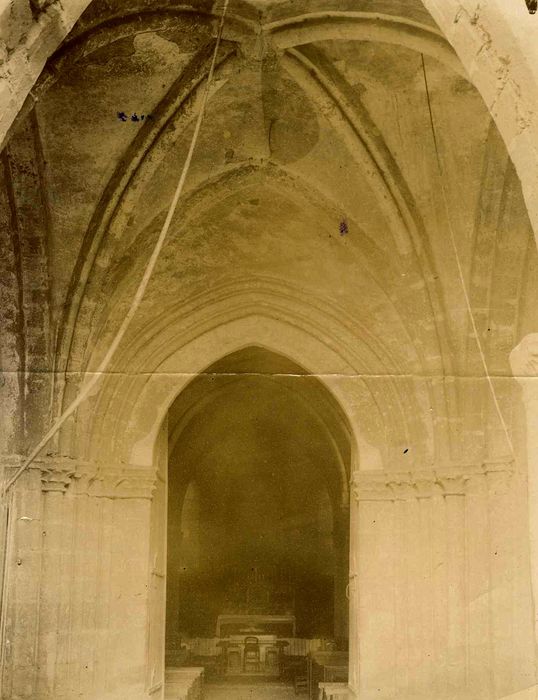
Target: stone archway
{"points": [[130, 469], [121, 457], [109, 476], [259, 430]]}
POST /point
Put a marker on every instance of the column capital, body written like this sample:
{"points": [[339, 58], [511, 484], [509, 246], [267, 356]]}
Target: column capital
{"points": [[440, 481], [55, 474], [524, 364], [58, 474], [129, 482], [56, 478]]}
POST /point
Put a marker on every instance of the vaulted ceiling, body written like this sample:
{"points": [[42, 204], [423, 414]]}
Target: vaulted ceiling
{"points": [[317, 177]]}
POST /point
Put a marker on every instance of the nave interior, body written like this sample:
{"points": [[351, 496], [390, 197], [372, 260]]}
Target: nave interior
{"points": [[258, 532]]}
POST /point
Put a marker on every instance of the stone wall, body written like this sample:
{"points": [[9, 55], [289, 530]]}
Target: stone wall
{"points": [[355, 280], [442, 583], [79, 569]]}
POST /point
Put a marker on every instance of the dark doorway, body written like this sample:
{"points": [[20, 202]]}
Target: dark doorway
{"points": [[259, 456]]}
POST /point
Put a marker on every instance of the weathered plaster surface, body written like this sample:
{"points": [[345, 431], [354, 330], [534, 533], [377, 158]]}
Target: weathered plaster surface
{"points": [[496, 42], [315, 225], [30, 32]]}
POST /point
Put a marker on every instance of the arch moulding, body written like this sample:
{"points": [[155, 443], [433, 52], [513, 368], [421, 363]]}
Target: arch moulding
{"points": [[135, 406]]}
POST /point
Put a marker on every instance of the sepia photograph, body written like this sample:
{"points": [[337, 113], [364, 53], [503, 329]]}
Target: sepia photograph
{"points": [[269, 350]]}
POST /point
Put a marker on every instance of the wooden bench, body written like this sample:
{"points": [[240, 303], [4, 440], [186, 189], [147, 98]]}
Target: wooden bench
{"points": [[331, 691], [184, 683], [326, 667]]}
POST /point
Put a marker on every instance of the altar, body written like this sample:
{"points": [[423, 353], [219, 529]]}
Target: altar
{"points": [[253, 644], [279, 625]]}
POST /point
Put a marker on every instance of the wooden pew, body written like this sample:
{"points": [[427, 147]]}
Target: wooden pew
{"points": [[326, 667], [332, 691], [184, 683]]}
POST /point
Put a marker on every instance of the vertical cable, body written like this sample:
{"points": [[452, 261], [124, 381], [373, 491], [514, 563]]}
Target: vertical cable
{"points": [[137, 299], [7, 494], [7, 540], [460, 267]]}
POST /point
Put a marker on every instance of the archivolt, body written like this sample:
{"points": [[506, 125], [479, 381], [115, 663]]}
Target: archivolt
{"points": [[378, 360], [184, 340], [379, 270], [363, 26]]}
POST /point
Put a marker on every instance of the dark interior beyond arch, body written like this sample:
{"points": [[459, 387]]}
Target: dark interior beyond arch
{"points": [[259, 459]]}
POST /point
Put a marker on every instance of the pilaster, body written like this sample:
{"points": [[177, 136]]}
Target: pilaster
{"points": [[524, 363], [79, 572], [433, 556]]}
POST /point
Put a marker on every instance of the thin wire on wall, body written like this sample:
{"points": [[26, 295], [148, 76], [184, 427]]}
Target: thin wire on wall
{"points": [[6, 525], [135, 303], [460, 267]]}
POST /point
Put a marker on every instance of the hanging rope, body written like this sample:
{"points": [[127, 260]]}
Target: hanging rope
{"points": [[135, 303], [460, 267]]}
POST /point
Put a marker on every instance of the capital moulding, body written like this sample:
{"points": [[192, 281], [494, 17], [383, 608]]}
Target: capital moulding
{"points": [[60, 474], [42, 462], [56, 478], [55, 475], [115, 483], [493, 477]]}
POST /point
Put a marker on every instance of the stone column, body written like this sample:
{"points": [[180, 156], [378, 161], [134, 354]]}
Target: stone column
{"points": [[353, 595], [95, 579], [341, 547], [433, 584], [118, 570], [524, 363], [55, 481], [21, 603]]}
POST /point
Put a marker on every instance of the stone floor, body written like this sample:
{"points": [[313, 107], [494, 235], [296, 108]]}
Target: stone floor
{"points": [[258, 691]]}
